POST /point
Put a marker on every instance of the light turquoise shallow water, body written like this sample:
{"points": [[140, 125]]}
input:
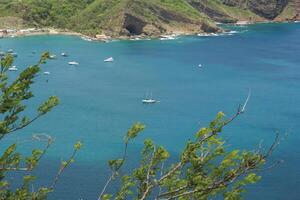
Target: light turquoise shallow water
{"points": [[99, 101]]}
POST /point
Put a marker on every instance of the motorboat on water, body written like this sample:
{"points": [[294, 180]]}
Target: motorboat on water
{"points": [[73, 63], [46, 73], [110, 59], [10, 51], [13, 68], [64, 54], [52, 56], [14, 54]]}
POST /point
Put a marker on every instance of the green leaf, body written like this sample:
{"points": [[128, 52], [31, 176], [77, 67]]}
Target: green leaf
{"points": [[78, 145], [134, 131], [28, 179], [252, 178], [106, 197], [48, 105]]}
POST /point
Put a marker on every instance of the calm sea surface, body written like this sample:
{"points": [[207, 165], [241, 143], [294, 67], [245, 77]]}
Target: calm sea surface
{"points": [[99, 101]]}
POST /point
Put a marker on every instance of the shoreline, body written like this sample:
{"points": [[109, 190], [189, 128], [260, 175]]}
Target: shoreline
{"points": [[11, 33]]}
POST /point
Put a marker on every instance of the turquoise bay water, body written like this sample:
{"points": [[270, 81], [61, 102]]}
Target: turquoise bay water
{"points": [[99, 101]]}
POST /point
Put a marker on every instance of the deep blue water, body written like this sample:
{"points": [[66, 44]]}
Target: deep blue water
{"points": [[99, 101]]}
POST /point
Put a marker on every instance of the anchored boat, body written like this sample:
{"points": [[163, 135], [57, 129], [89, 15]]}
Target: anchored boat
{"points": [[73, 63], [149, 100], [110, 59], [13, 68]]}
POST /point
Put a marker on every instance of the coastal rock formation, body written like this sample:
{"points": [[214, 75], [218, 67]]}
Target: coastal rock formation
{"points": [[238, 3], [295, 4], [133, 25], [268, 9], [151, 19], [213, 13]]}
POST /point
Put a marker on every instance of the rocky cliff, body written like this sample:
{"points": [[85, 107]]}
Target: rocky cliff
{"points": [[268, 9]]}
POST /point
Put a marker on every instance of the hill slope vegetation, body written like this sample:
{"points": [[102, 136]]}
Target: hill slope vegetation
{"points": [[142, 17]]}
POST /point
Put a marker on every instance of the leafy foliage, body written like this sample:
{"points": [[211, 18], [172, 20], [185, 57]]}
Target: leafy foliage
{"points": [[13, 96], [205, 169]]}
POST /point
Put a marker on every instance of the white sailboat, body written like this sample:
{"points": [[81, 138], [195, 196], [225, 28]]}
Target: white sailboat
{"points": [[110, 59], [149, 100]]}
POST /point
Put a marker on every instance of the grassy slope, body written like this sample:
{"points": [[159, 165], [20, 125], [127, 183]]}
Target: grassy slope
{"points": [[101, 14], [234, 12], [176, 7], [288, 13]]}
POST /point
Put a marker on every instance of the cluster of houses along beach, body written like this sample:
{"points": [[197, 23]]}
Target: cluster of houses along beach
{"points": [[21, 32]]}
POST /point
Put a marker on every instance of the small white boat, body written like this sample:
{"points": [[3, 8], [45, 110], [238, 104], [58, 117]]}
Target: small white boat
{"points": [[52, 56], [10, 51], [73, 63], [149, 101], [13, 68], [86, 38], [110, 59], [46, 73], [200, 65], [135, 38], [64, 54], [208, 34], [168, 37], [14, 54]]}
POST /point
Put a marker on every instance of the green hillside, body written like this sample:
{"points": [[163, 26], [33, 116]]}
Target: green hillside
{"points": [[130, 17]]}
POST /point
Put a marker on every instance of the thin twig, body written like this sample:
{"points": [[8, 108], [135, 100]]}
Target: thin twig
{"points": [[62, 168], [113, 173]]}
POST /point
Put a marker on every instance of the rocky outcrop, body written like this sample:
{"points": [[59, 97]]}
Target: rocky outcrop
{"points": [[209, 29], [268, 9], [162, 21], [133, 25], [214, 14], [295, 4], [236, 3]]}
